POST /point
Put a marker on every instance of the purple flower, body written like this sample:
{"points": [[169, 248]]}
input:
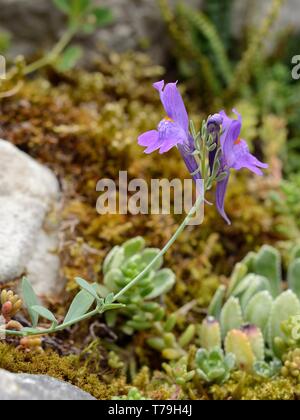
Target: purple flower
{"points": [[173, 130], [235, 155], [214, 123]]}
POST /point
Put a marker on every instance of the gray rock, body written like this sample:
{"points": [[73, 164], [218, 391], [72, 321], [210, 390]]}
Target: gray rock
{"points": [[28, 192], [37, 388], [137, 22]]}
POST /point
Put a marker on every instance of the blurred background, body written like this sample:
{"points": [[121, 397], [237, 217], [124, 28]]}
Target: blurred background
{"points": [[139, 24]]}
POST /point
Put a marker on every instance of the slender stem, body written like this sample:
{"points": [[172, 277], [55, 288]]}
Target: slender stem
{"points": [[54, 53], [52, 330], [164, 250]]}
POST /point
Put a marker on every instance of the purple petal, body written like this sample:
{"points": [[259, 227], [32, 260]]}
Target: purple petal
{"points": [[151, 140], [148, 138], [220, 197], [231, 132], [154, 146], [173, 103], [244, 159], [170, 134]]}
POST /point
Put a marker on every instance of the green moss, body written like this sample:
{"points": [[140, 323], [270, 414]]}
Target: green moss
{"points": [[66, 368], [247, 387]]}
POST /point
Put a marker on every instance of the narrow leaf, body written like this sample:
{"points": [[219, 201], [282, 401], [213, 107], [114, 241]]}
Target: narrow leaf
{"points": [[162, 283], [30, 300], [45, 313], [81, 304], [87, 287]]}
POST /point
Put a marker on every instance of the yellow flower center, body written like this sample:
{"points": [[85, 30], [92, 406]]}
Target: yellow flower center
{"points": [[238, 141], [168, 119]]}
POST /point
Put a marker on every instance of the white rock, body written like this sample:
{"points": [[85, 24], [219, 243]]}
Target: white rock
{"points": [[28, 191], [21, 174], [23, 387], [43, 267]]}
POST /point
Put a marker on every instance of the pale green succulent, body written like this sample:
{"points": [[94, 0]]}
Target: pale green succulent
{"points": [[166, 342], [249, 315], [178, 371], [133, 394], [267, 370], [212, 366], [120, 267]]}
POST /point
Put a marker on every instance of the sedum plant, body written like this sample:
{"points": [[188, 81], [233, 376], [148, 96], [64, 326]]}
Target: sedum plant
{"points": [[120, 267], [213, 366], [165, 341], [267, 370], [178, 371], [254, 317], [133, 394]]}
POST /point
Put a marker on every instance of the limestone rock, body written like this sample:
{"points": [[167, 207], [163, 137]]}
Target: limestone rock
{"points": [[28, 191], [24, 387]]}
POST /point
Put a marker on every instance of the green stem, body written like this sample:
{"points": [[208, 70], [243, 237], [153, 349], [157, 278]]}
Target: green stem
{"points": [[54, 53], [52, 330], [126, 288], [164, 250]]}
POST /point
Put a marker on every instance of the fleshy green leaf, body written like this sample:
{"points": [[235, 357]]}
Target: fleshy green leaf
{"points": [[104, 16], [69, 58], [113, 278], [45, 313], [133, 246], [81, 304], [285, 306], [162, 283], [239, 273], [215, 306], [149, 254], [257, 311], [30, 300], [268, 264], [231, 316], [114, 259], [294, 276], [257, 284]]}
